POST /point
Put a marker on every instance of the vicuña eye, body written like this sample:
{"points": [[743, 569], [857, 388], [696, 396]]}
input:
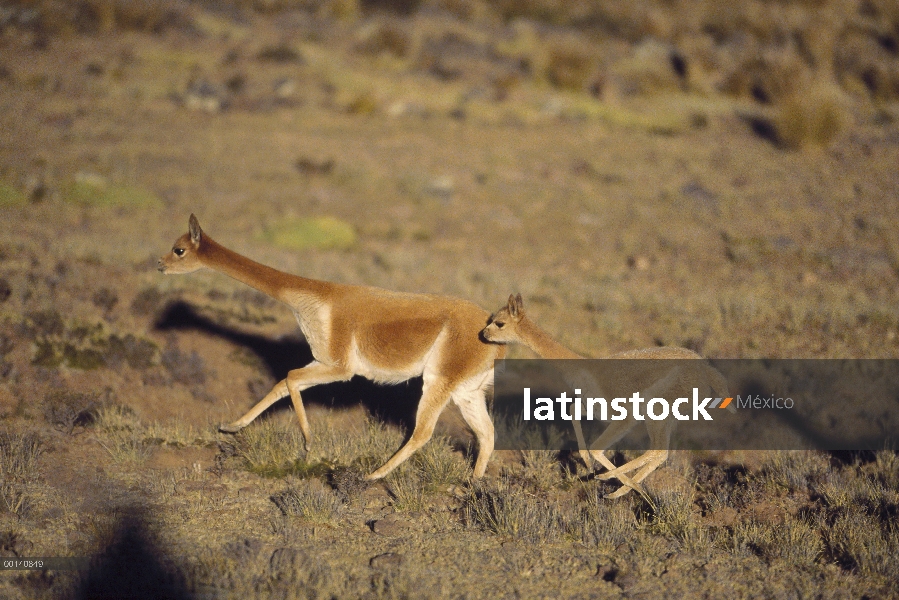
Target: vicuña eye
{"points": [[178, 251], [499, 324]]}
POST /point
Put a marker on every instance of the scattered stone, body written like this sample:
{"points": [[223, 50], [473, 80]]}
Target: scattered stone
{"points": [[285, 88], [202, 95], [442, 188], [280, 54], [390, 526], [638, 263], [308, 166], [388, 560]]}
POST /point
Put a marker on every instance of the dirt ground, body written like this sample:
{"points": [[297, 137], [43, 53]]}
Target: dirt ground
{"points": [[625, 220]]}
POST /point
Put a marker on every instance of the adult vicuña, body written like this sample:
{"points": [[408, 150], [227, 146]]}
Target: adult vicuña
{"points": [[510, 324], [385, 336]]}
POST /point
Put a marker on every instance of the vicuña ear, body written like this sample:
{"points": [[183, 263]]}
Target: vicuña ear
{"points": [[196, 233], [510, 306], [519, 304]]}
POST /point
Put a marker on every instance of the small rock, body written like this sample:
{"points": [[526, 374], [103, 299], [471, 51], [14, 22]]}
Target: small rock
{"points": [[388, 560], [389, 527], [285, 88], [202, 95], [638, 263], [442, 188]]}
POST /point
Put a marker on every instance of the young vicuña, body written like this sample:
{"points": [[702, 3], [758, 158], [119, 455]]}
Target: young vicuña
{"points": [[385, 336], [510, 324]]}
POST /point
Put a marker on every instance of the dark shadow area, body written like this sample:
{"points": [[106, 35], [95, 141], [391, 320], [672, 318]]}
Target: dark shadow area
{"points": [[763, 128], [397, 7], [132, 567], [864, 452], [392, 403]]}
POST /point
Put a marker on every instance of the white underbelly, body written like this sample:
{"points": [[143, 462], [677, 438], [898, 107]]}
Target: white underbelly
{"points": [[359, 364]]}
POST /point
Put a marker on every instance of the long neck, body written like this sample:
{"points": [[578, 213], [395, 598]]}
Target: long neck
{"points": [[541, 342], [272, 282]]}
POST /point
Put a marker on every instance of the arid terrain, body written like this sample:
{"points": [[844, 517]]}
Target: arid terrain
{"points": [[715, 175]]}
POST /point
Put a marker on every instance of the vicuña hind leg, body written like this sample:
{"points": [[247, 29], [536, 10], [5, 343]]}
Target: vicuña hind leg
{"points": [[650, 461], [434, 397], [659, 438], [315, 373]]}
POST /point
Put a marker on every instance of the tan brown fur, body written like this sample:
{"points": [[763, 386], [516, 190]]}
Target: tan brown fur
{"points": [[360, 330], [510, 324]]}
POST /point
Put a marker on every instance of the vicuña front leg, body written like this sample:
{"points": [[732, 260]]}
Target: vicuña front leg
{"points": [[433, 399], [315, 373], [473, 406]]}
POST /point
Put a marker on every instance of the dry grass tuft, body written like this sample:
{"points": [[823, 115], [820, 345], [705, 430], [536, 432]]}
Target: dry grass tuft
{"points": [[407, 489], [309, 500], [384, 37], [857, 542], [438, 465], [604, 524], [811, 116], [272, 448], [503, 507], [67, 410], [121, 434], [795, 470], [19, 453], [671, 513], [570, 65], [795, 540]]}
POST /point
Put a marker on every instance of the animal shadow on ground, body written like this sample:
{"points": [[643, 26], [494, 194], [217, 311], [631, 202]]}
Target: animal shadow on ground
{"points": [[814, 438], [395, 404], [132, 566]]}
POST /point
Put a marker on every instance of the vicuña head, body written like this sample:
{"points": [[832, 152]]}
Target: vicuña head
{"points": [[185, 254], [501, 327]]}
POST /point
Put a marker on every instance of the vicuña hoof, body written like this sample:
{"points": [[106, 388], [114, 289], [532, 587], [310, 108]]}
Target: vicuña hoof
{"points": [[229, 428]]}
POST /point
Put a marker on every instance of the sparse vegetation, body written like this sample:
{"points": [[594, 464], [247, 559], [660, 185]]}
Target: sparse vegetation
{"points": [[811, 116], [122, 434], [19, 453], [309, 500], [66, 410], [93, 190], [11, 196], [716, 175], [274, 449], [504, 508]]}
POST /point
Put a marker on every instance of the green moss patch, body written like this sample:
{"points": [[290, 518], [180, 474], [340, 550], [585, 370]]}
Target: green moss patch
{"points": [[11, 196], [95, 191], [325, 233]]}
